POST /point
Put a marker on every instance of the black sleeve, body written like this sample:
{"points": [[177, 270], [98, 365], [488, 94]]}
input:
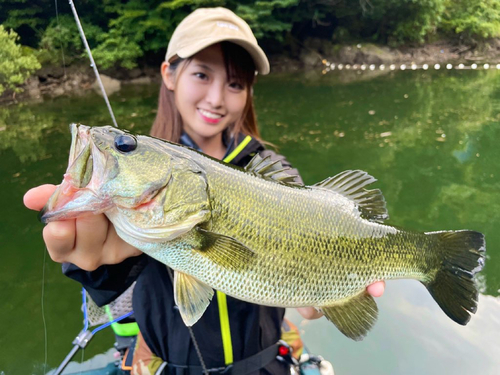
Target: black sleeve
{"points": [[274, 156], [107, 282]]}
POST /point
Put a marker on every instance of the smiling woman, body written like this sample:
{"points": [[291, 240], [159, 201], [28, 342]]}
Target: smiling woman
{"points": [[207, 100]]}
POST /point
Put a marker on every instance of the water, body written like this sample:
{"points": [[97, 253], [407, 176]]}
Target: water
{"points": [[429, 137]]}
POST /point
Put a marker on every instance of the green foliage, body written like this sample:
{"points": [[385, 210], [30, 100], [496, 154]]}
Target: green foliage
{"points": [[472, 19], [16, 63], [178, 4], [61, 38], [120, 33], [117, 49], [266, 17], [402, 21], [143, 24], [26, 16], [134, 28]]}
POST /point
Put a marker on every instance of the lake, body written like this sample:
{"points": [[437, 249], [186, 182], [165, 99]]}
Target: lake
{"points": [[429, 137]]}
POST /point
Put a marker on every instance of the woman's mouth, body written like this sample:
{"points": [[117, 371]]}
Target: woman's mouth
{"points": [[210, 117]]}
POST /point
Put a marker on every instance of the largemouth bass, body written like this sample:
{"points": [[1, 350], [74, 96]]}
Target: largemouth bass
{"points": [[257, 235]]}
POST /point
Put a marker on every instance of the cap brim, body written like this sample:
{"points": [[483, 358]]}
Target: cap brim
{"points": [[257, 54]]}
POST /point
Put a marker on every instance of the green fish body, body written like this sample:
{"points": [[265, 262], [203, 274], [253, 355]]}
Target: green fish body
{"points": [[257, 235]]}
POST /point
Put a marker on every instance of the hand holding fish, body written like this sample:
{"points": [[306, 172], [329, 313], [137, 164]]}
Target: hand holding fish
{"points": [[375, 290], [89, 241]]}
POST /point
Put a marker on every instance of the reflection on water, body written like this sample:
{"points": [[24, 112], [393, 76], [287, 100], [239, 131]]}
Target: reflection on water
{"points": [[412, 336], [21, 132], [429, 137]]}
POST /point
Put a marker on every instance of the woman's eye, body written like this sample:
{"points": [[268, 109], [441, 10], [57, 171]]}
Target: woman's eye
{"points": [[236, 86], [200, 75]]}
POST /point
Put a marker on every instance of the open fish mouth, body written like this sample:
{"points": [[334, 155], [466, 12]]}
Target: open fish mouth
{"points": [[78, 191], [80, 164]]}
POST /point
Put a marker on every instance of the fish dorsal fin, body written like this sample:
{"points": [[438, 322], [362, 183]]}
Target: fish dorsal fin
{"points": [[272, 170], [191, 296], [351, 184], [355, 316]]}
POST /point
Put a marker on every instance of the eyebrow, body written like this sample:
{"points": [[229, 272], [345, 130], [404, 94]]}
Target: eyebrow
{"points": [[204, 66]]}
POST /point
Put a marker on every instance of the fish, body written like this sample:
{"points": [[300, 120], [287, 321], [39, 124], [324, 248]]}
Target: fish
{"points": [[257, 234]]}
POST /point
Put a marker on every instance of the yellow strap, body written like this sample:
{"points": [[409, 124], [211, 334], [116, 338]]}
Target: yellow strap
{"points": [[238, 149], [227, 343]]}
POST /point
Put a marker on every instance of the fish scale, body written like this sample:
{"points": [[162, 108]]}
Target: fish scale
{"points": [[257, 235], [326, 279]]}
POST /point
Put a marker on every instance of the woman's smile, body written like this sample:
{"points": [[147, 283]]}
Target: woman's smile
{"points": [[210, 117]]}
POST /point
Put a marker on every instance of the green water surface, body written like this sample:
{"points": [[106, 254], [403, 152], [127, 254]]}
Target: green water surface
{"points": [[430, 138]]}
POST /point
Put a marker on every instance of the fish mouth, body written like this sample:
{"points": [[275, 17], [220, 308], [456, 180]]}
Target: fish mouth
{"points": [[78, 192], [80, 164]]}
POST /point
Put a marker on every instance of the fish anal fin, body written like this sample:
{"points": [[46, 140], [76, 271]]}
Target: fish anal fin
{"points": [[272, 170], [191, 296], [351, 184], [355, 316], [225, 251]]}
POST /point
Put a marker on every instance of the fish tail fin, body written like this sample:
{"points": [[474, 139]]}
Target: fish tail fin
{"points": [[453, 286]]}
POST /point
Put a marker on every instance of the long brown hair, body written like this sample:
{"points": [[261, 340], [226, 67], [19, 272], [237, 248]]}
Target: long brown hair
{"points": [[239, 66]]}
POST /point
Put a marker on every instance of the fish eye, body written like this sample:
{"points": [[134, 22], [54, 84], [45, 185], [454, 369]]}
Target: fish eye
{"points": [[125, 143]]}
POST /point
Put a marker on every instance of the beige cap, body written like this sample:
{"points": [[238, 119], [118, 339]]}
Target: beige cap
{"points": [[207, 26]]}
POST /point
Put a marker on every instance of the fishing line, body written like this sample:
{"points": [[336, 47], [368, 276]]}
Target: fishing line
{"points": [[191, 333], [60, 41], [43, 311], [92, 62]]}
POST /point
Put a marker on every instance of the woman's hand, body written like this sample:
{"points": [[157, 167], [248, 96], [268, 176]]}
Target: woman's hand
{"points": [[88, 242], [375, 290]]}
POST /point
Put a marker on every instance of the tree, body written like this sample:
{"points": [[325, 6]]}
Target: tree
{"points": [[472, 19], [16, 63]]}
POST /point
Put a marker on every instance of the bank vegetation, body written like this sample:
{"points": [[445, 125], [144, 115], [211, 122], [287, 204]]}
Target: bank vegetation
{"points": [[128, 34]]}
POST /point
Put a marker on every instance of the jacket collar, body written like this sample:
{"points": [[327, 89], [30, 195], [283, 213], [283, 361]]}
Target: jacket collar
{"points": [[228, 140]]}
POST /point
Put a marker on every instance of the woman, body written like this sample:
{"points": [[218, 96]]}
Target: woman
{"points": [[206, 103]]}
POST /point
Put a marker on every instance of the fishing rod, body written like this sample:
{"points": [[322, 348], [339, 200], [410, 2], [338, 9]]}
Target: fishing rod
{"points": [[84, 337], [92, 62]]}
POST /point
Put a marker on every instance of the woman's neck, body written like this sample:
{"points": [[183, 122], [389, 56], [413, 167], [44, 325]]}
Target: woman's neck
{"points": [[213, 146]]}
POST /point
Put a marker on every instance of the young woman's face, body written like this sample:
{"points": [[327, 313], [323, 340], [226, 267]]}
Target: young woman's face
{"points": [[208, 101]]}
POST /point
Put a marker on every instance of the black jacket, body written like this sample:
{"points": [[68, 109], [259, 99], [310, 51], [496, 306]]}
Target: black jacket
{"points": [[253, 327]]}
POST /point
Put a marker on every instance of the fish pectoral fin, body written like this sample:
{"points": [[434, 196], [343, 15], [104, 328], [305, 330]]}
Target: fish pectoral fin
{"points": [[355, 316], [351, 184], [191, 296], [225, 251]]}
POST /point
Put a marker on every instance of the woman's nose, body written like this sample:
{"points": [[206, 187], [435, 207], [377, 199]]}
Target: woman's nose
{"points": [[215, 95]]}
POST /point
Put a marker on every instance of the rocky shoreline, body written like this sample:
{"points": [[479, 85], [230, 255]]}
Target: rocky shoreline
{"points": [[56, 81]]}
